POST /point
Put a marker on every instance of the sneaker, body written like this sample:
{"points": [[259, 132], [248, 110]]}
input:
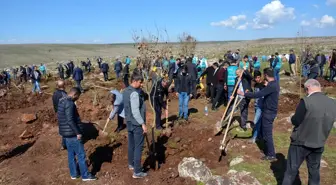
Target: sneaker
{"points": [[268, 158], [74, 178], [130, 167], [253, 140], [139, 175], [90, 178]]}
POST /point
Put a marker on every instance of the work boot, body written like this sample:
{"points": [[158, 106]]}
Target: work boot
{"points": [[90, 178]]}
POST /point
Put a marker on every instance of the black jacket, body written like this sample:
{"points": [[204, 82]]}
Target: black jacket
{"points": [[36, 76], [126, 69], [192, 70], [323, 59], [221, 76], [183, 83], [158, 92], [118, 66], [58, 94], [68, 118], [105, 67], [209, 72]]}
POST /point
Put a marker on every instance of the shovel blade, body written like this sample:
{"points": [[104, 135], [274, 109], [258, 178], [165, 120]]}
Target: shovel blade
{"points": [[218, 127]]}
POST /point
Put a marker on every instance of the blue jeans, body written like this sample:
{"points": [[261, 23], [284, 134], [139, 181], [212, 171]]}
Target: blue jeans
{"points": [[257, 122], [332, 74], [321, 70], [79, 86], [183, 104], [276, 75], [230, 91], [305, 70], [118, 74], [135, 146], [76, 149], [36, 86]]}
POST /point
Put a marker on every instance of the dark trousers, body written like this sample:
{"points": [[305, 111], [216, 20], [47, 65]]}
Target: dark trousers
{"points": [[120, 122], [126, 80], [118, 74], [105, 76], [63, 143], [332, 74], [193, 85], [321, 70], [219, 94], [79, 86], [312, 75], [135, 145], [158, 112], [61, 75], [296, 156], [23, 78], [267, 133], [209, 91]]}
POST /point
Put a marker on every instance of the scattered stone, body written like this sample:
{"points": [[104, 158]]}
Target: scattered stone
{"points": [[323, 163], [26, 135], [243, 147], [217, 180], [236, 161], [167, 132], [284, 91], [195, 169], [177, 139], [44, 87], [203, 159], [3, 92], [210, 139], [242, 178], [235, 123], [28, 118]]}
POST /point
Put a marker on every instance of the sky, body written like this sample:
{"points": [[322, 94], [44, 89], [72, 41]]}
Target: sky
{"points": [[114, 21]]}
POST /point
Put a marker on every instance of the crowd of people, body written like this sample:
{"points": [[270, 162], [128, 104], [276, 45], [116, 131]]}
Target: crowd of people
{"points": [[230, 78]]}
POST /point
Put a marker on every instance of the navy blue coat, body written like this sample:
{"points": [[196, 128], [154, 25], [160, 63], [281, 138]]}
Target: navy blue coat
{"points": [[78, 74], [68, 118], [105, 67], [118, 66]]}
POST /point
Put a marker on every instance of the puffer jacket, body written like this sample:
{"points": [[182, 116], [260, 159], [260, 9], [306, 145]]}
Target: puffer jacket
{"points": [[68, 118]]}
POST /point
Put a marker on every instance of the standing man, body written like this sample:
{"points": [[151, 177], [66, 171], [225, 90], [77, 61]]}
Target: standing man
{"points": [[105, 69], [192, 71], [23, 75], [157, 94], [128, 60], [183, 86], [88, 63], [135, 114], [36, 79], [71, 66], [58, 94], [258, 104], [117, 109], [43, 70], [209, 72], [117, 67], [270, 60], [60, 71], [270, 109], [99, 61], [321, 60], [313, 68], [313, 120], [292, 61], [221, 86], [78, 77], [231, 77], [15, 72], [276, 65], [68, 124], [332, 66], [126, 75]]}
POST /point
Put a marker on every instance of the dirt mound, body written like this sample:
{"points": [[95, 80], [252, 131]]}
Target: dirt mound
{"points": [[17, 101], [288, 102]]}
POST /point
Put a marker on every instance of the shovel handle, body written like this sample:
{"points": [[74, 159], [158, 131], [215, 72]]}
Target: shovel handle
{"points": [[107, 121], [228, 127], [227, 107], [227, 118]]}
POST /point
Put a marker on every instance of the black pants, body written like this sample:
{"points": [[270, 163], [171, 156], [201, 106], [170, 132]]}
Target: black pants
{"points": [[105, 76], [219, 89], [126, 80], [312, 75], [296, 156], [120, 122], [61, 75], [209, 91], [193, 85], [158, 112], [267, 120]]}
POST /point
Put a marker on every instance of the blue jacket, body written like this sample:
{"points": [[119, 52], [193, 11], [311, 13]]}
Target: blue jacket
{"points": [[118, 66], [292, 59], [231, 75], [277, 63], [78, 74], [241, 65], [68, 118], [118, 105], [256, 64], [105, 67]]}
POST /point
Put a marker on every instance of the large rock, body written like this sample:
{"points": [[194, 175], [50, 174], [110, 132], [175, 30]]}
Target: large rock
{"points": [[236, 161], [217, 180], [195, 169], [242, 178], [28, 118]]}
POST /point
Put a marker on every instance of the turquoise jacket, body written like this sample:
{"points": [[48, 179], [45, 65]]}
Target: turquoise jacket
{"points": [[195, 60], [128, 60], [277, 63], [231, 75], [256, 64], [172, 60], [241, 65], [204, 64]]}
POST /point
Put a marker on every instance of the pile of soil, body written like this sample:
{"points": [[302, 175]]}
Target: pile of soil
{"points": [[288, 102], [18, 100]]}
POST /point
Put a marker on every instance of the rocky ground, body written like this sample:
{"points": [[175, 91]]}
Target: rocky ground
{"points": [[30, 145]]}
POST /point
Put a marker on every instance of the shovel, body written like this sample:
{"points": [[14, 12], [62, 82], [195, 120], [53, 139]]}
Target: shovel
{"points": [[107, 122], [218, 125], [222, 147]]}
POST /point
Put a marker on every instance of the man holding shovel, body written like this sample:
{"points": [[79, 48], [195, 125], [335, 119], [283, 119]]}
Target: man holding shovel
{"points": [[157, 94], [118, 108], [270, 110]]}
